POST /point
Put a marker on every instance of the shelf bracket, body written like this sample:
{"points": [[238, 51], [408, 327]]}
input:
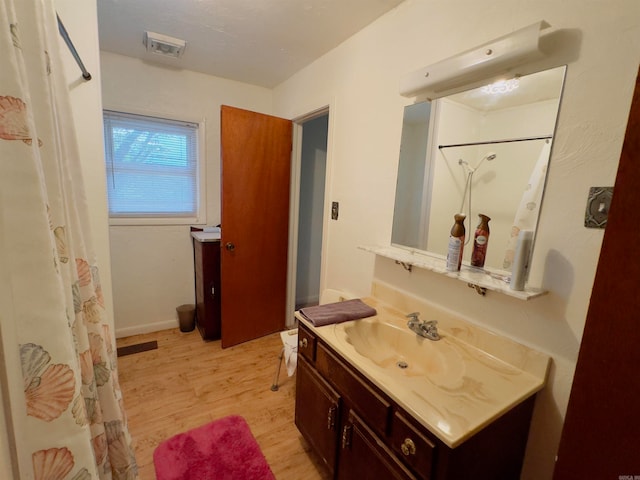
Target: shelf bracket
{"points": [[407, 266], [481, 290]]}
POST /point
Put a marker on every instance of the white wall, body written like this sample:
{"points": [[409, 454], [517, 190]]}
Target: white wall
{"points": [[81, 22], [153, 265], [602, 49]]}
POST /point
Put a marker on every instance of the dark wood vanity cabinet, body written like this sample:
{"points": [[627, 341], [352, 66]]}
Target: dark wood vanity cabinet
{"points": [[317, 413], [360, 433], [342, 417], [207, 282], [363, 455]]}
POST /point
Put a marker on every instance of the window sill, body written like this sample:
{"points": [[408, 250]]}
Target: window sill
{"points": [[156, 221]]}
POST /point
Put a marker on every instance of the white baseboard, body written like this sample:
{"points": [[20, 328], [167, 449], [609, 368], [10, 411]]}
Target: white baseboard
{"points": [[146, 328]]}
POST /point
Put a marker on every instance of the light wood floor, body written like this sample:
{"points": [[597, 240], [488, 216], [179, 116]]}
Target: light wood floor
{"points": [[187, 382]]}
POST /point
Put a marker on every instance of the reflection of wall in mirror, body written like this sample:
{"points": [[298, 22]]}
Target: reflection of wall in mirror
{"points": [[411, 170], [497, 185]]}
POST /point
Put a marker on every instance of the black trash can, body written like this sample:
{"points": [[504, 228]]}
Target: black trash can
{"points": [[186, 317]]}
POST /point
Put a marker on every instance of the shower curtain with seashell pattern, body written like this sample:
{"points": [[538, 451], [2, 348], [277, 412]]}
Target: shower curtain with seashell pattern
{"points": [[63, 404]]}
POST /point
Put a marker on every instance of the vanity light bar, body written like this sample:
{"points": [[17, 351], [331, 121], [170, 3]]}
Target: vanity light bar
{"points": [[485, 61], [501, 86]]}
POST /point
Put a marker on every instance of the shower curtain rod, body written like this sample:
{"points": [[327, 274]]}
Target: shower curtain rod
{"points": [[509, 140], [63, 32]]}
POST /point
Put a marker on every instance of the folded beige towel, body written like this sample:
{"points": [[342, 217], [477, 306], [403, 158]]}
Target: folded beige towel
{"points": [[337, 312]]}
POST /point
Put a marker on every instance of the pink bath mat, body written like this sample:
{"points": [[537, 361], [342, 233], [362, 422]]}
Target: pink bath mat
{"points": [[220, 450]]}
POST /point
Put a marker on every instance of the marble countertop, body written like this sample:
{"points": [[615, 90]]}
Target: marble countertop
{"points": [[206, 236], [477, 377]]}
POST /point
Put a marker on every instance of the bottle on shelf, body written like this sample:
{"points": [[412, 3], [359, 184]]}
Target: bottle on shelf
{"points": [[456, 243], [480, 242], [521, 259]]}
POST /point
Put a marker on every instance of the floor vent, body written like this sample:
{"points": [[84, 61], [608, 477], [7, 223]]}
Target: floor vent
{"points": [[137, 348]]}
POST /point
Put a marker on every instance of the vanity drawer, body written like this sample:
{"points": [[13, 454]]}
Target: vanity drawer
{"points": [[372, 407], [306, 344], [412, 446]]}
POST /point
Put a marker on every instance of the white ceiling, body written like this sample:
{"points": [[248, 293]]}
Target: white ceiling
{"points": [[261, 42]]}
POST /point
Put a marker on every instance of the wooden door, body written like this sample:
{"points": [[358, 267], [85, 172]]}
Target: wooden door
{"points": [[601, 434], [256, 166]]}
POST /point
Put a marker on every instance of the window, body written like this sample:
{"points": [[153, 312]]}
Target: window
{"points": [[152, 168]]}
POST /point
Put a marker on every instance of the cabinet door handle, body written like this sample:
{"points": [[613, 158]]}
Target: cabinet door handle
{"points": [[346, 436], [303, 343], [331, 417], [230, 246], [408, 447]]}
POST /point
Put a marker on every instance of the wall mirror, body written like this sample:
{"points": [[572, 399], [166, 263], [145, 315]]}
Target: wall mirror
{"points": [[482, 151]]}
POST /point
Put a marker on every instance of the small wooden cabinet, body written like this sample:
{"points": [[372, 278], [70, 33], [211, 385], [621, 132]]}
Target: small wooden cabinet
{"points": [[361, 433], [206, 255]]}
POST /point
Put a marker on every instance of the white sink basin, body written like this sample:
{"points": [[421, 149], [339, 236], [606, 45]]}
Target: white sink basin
{"points": [[403, 352]]}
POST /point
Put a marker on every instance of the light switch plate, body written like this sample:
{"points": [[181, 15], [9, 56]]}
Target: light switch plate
{"points": [[598, 205]]}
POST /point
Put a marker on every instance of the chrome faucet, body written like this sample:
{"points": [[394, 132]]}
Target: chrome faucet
{"points": [[424, 329]]}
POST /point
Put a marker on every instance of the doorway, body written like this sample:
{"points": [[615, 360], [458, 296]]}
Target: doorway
{"points": [[310, 189]]}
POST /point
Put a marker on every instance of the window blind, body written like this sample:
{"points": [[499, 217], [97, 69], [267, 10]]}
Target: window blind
{"points": [[152, 166]]}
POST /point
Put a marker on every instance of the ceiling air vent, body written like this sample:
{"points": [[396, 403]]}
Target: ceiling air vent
{"points": [[164, 44]]}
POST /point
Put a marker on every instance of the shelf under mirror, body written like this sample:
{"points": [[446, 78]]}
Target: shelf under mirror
{"points": [[481, 279]]}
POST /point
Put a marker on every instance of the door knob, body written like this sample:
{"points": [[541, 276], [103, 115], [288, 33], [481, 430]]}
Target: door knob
{"points": [[230, 246]]}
